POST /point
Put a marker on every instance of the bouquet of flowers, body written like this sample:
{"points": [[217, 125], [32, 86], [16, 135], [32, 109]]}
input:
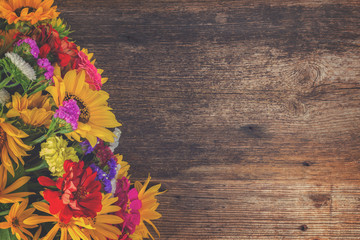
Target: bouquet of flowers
{"points": [[59, 176]]}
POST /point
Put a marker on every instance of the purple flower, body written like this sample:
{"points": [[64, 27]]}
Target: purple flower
{"points": [[107, 185], [104, 177], [101, 175], [95, 169], [86, 147], [34, 49], [70, 112], [45, 63], [112, 168]]}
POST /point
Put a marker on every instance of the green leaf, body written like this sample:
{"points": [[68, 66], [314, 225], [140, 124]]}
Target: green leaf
{"points": [[61, 27], [7, 235], [19, 172]]}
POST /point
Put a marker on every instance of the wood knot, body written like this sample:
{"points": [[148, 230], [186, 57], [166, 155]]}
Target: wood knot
{"points": [[303, 81], [253, 131], [306, 164], [304, 227], [306, 75], [320, 200], [297, 107]]}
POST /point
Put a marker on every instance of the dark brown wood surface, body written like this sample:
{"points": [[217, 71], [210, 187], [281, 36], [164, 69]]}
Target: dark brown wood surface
{"points": [[247, 113]]}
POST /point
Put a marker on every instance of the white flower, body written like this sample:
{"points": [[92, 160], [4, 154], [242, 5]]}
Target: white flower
{"points": [[23, 66], [4, 96], [114, 180], [112, 147], [115, 144]]}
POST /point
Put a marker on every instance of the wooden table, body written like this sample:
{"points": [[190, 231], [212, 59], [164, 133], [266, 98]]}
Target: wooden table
{"points": [[247, 113]]}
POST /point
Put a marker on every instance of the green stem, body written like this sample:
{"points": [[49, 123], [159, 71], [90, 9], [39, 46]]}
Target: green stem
{"points": [[39, 140], [42, 165], [5, 82], [36, 90], [12, 85]]}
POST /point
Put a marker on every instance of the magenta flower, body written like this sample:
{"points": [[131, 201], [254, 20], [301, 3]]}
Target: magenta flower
{"points": [[34, 49], [70, 112], [130, 204], [45, 63], [93, 78]]}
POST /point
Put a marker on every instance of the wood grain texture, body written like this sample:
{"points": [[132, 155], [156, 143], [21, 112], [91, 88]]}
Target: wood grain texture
{"points": [[248, 113]]}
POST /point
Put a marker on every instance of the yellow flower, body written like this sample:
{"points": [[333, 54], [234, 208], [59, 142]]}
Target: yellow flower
{"points": [[11, 145], [95, 116], [27, 10], [71, 228], [15, 220], [147, 210], [123, 172], [5, 192], [34, 110], [102, 228], [55, 151]]}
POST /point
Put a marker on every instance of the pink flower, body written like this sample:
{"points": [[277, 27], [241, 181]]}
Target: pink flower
{"points": [[93, 78], [130, 204]]}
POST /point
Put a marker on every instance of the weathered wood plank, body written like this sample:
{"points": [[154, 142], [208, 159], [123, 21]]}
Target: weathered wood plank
{"points": [[247, 112], [266, 210]]}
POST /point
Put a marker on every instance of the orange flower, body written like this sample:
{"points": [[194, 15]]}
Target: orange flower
{"points": [[71, 228], [25, 10], [15, 220], [8, 37], [11, 145], [34, 110]]}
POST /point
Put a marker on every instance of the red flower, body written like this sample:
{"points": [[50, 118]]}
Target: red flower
{"points": [[49, 41], [103, 152], [44, 50], [79, 194]]}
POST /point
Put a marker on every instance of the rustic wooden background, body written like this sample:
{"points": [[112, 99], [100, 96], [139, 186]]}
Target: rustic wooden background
{"points": [[248, 113]]}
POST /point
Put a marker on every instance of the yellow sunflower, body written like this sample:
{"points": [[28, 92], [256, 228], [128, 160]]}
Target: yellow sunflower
{"points": [[95, 116], [34, 110], [102, 225], [72, 228], [27, 10], [6, 195], [15, 220], [124, 167], [11, 145], [147, 210]]}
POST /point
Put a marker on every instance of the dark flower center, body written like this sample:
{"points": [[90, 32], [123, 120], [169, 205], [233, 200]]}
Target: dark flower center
{"points": [[84, 112], [18, 10], [128, 209], [63, 225], [2, 138], [81, 193], [15, 222]]}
